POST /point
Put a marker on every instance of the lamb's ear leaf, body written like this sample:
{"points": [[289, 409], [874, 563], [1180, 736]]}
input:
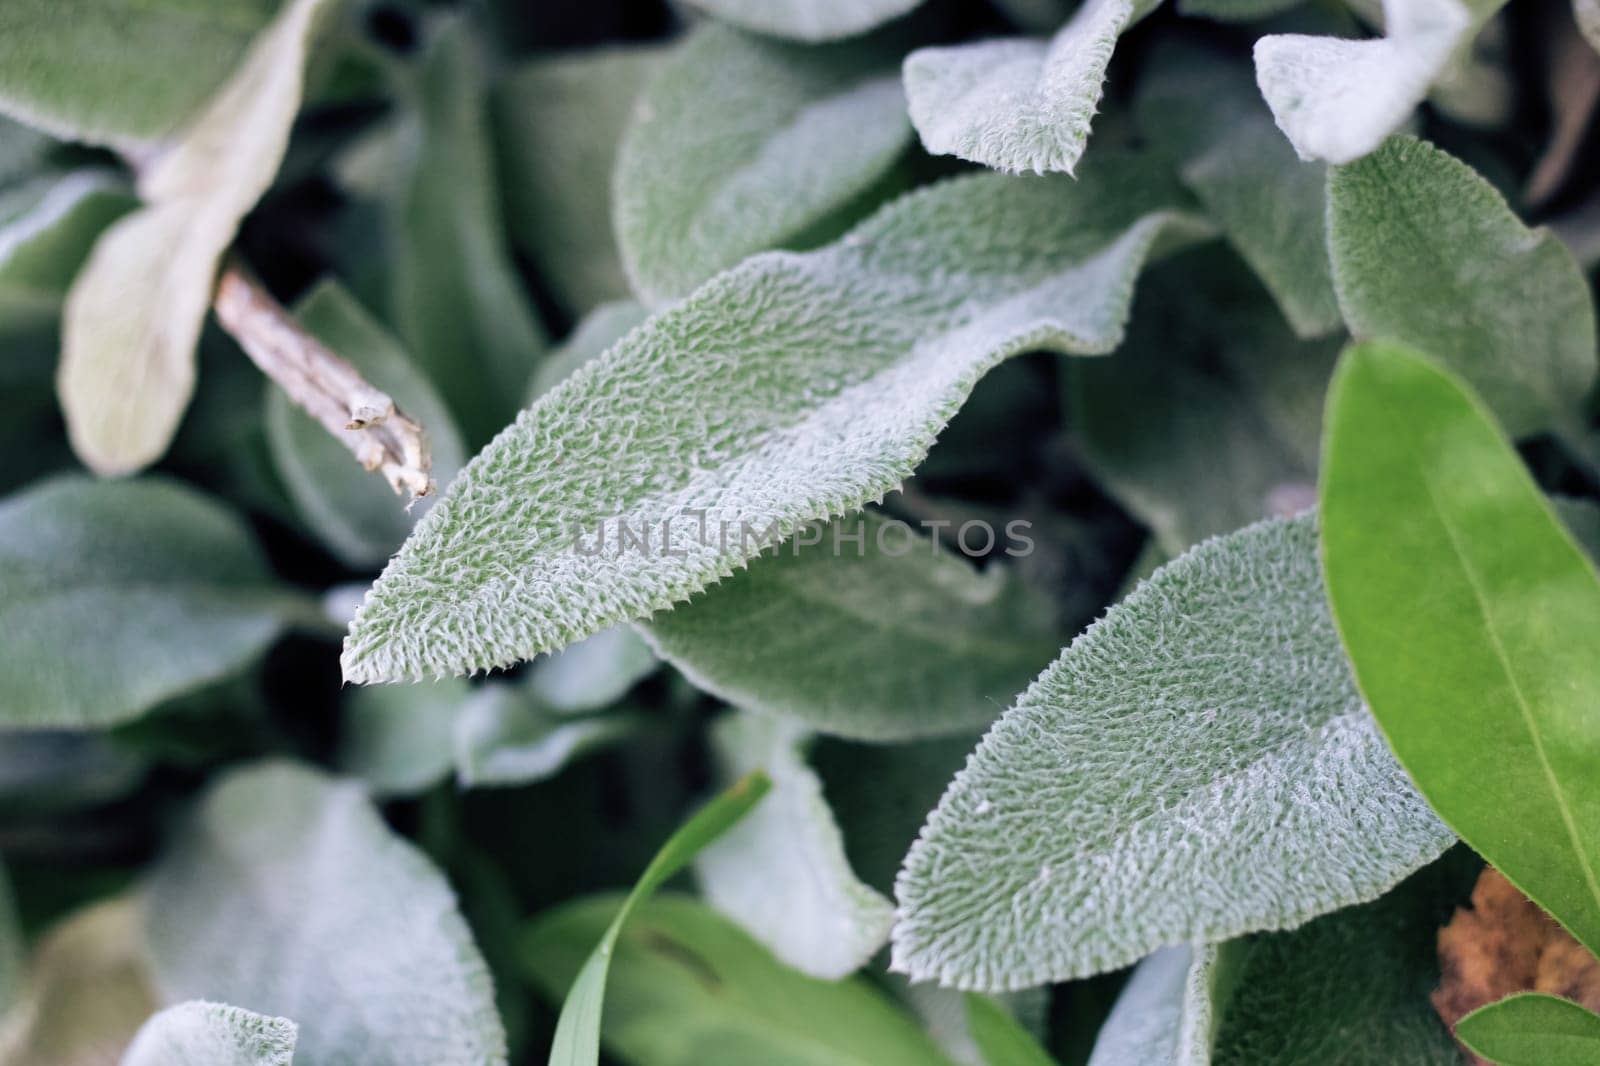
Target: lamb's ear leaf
{"points": [[1209, 417], [782, 873], [1208, 770], [133, 316], [455, 296], [1587, 12], [1533, 1029], [1018, 104], [504, 736], [558, 121], [353, 511], [1166, 1014], [684, 979], [121, 72], [1337, 99], [742, 144], [577, 1038], [866, 629], [790, 389], [198, 1033], [116, 596], [1000, 1038], [1270, 205], [1427, 252], [811, 21], [1441, 550], [287, 891], [588, 341], [400, 739]]}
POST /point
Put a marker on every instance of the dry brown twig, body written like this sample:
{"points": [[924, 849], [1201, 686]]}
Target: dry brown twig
{"points": [[360, 416]]}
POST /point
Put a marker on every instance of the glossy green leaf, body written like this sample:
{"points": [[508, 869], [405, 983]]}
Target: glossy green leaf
{"points": [[782, 873], [865, 628], [354, 511], [1337, 99], [198, 1033], [1209, 418], [134, 314], [806, 20], [1464, 605], [1018, 105], [1427, 252], [1000, 1038], [558, 121], [120, 71], [742, 144], [504, 737], [789, 389], [1533, 1029], [287, 893], [117, 596], [577, 1039], [456, 298], [1196, 765], [690, 989]]}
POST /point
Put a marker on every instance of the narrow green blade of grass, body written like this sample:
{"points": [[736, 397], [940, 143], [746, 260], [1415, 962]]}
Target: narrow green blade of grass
{"points": [[1001, 1039], [577, 1040]]}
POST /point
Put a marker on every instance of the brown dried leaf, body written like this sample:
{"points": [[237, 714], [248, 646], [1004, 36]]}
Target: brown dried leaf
{"points": [[1507, 944]]}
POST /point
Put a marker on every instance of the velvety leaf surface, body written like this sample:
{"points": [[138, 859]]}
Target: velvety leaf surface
{"points": [[1270, 205], [592, 673], [198, 1033], [1464, 605], [288, 895], [503, 737], [1018, 105], [353, 511], [1426, 251], [120, 71], [806, 20], [1337, 99], [400, 739], [789, 389], [456, 297], [782, 873], [740, 145], [117, 596], [1195, 766], [588, 341], [689, 988], [134, 314], [1533, 1029], [891, 638], [558, 121], [1166, 1013]]}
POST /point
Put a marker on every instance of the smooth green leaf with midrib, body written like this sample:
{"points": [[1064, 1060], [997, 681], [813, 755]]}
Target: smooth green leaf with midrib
{"points": [[740, 144], [1469, 614], [197, 1033], [577, 1038], [1533, 1029], [1427, 252], [1018, 105], [116, 596], [120, 71], [887, 637], [286, 891], [692, 989], [1196, 765], [792, 388]]}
